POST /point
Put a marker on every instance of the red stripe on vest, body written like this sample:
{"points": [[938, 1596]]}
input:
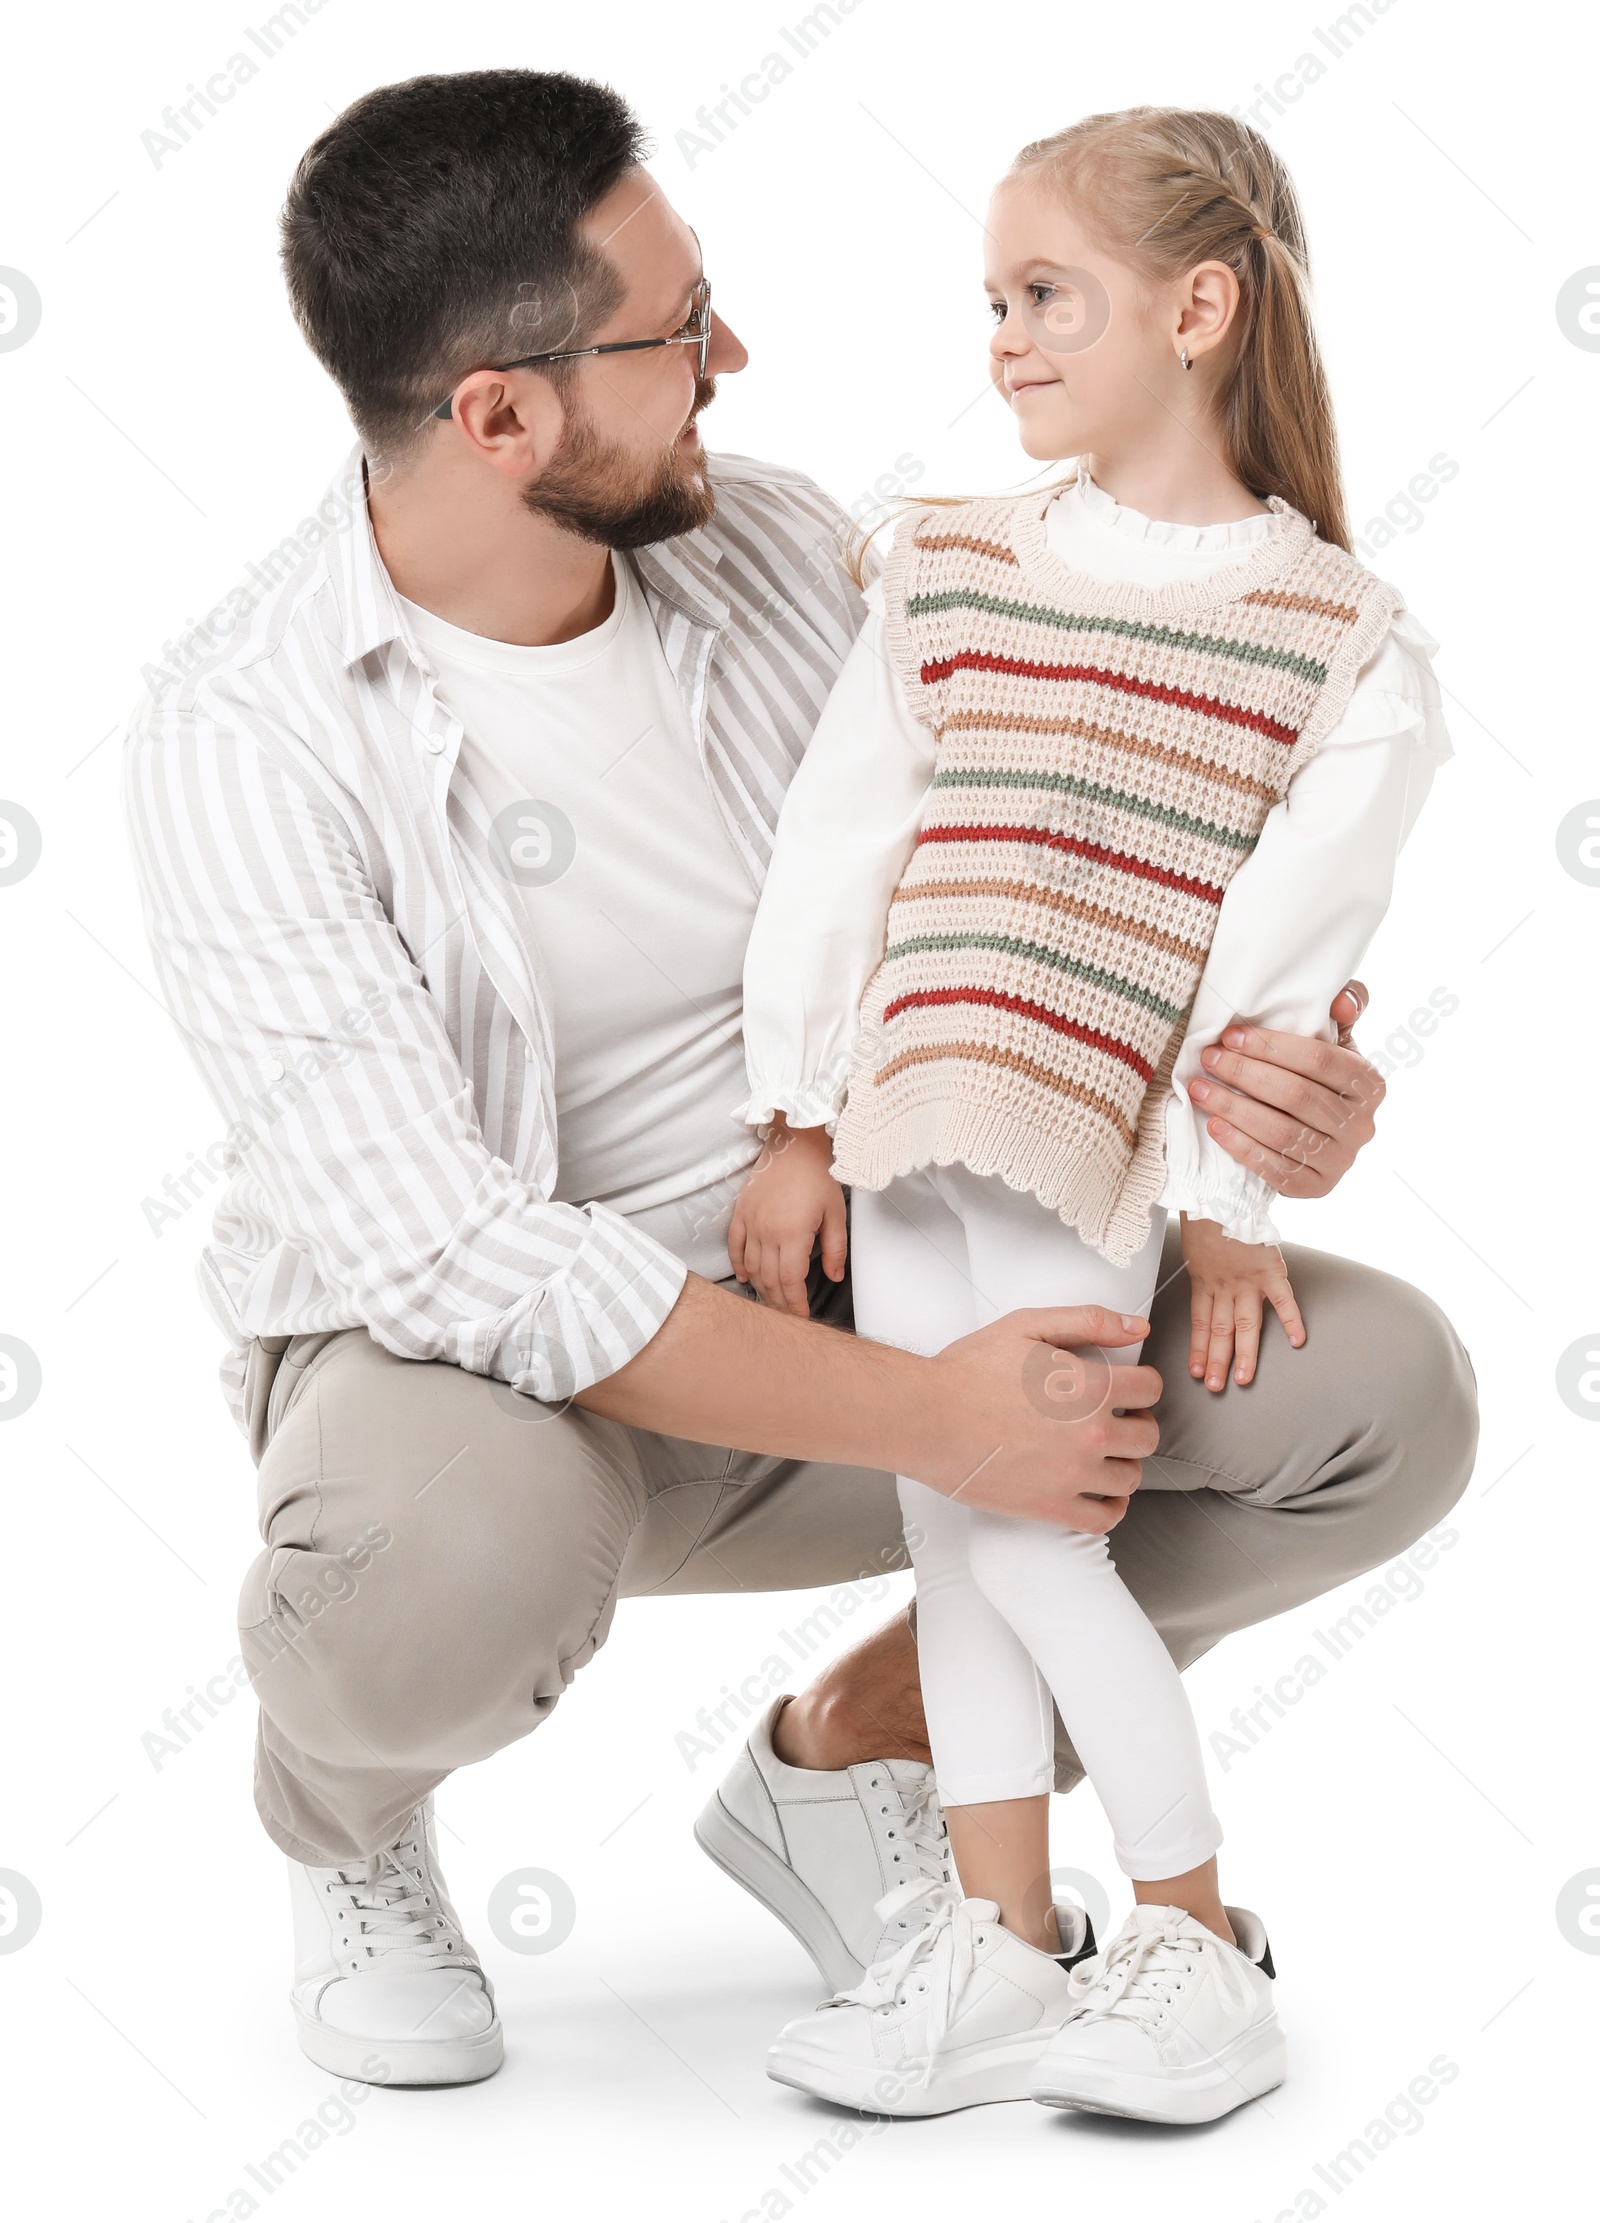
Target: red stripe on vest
{"points": [[996, 1001], [1042, 839], [970, 660]]}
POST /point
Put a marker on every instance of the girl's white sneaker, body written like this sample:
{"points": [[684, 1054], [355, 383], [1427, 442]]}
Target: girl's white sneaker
{"points": [[956, 2017], [1168, 2023]]}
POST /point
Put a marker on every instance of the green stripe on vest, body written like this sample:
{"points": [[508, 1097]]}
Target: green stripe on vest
{"points": [[1064, 783], [1131, 629], [1010, 946]]}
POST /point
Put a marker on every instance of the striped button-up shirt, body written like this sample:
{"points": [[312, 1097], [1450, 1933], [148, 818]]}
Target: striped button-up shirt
{"points": [[352, 974]]}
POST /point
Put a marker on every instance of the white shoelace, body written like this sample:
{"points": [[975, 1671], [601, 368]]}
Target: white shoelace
{"points": [[922, 1826], [942, 1950], [388, 1915], [1136, 1974]]}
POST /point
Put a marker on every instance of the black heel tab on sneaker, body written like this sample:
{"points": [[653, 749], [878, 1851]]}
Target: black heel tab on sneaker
{"points": [[1246, 1926], [1085, 1951]]}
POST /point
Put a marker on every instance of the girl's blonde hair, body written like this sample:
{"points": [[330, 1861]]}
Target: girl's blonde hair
{"points": [[1167, 188]]}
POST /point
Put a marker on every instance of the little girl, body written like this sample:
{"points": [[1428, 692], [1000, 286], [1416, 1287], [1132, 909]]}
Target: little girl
{"points": [[1089, 787]]}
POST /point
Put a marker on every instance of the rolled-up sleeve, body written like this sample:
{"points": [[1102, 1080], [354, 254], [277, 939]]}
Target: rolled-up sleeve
{"points": [[363, 1191]]}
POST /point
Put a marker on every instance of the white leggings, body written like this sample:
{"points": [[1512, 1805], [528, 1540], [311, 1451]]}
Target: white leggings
{"points": [[1011, 1613]]}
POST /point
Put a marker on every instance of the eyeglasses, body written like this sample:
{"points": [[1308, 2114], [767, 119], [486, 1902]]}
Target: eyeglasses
{"points": [[696, 333]]}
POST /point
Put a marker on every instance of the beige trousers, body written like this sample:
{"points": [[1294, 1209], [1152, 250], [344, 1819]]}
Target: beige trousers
{"points": [[443, 1555]]}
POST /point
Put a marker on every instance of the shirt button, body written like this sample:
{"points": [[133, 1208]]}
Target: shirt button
{"points": [[275, 1071], [434, 744]]}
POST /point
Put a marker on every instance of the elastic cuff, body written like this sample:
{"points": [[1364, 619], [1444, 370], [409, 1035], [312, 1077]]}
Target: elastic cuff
{"points": [[1239, 1221], [815, 1104]]}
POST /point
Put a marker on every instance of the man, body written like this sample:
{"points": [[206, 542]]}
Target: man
{"points": [[449, 857]]}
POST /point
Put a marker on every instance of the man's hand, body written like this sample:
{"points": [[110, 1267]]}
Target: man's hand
{"points": [[1070, 1459], [1294, 1110], [985, 1421]]}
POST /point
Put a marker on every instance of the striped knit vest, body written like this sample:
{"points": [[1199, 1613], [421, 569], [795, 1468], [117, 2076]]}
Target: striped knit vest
{"points": [[1105, 757]]}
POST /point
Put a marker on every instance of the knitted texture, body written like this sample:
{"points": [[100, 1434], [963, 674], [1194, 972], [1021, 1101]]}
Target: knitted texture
{"points": [[1105, 758]]}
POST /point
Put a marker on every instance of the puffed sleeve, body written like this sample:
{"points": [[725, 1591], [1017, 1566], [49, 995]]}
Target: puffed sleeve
{"points": [[845, 835], [1300, 911]]}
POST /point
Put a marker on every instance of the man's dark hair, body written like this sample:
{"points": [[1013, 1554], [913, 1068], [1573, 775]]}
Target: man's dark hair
{"points": [[432, 230]]}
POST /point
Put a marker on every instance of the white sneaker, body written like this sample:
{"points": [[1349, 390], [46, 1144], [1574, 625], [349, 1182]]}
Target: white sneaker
{"points": [[1168, 2023], [386, 1988], [956, 2017], [819, 1848]]}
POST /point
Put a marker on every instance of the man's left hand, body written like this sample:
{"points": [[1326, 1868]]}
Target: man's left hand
{"points": [[1293, 1110]]}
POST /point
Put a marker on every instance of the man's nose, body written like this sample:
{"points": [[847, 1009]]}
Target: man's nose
{"points": [[728, 352]]}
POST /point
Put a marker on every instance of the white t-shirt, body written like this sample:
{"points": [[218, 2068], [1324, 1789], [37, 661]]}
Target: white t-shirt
{"points": [[637, 907]]}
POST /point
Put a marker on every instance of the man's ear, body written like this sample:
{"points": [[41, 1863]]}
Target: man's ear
{"points": [[510, 420]]}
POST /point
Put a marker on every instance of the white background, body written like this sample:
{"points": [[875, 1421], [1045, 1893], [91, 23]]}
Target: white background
{"points": [[1407, 1827]]}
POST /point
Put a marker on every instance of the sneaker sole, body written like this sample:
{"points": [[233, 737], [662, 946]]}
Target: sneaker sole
{"points": [[756, 1868], [983, 2077], [1252, 2065], [403, 2060]]}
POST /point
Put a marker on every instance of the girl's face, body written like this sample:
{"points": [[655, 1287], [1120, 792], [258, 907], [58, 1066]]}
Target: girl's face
{"points": [[1085, 351]]}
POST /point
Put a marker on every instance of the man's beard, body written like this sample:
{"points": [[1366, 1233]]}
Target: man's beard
{"points": [[594, 488]]}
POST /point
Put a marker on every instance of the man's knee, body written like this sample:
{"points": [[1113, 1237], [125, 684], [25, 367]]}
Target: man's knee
{"points": [[1400, 1373], [1382, 1390], [441, 1559]]}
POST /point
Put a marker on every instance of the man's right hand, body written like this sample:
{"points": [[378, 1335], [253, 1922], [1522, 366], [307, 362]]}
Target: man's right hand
{"points": [[1005, 1419], [1027, 1425]]}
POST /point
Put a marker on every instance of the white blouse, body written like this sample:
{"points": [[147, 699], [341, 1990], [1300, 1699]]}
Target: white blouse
{"points": [[1294, 923]]}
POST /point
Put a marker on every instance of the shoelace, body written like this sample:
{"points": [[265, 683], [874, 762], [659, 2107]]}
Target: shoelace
{"points": [[1136, 1974], [918, 1828], [388, 1915], [923, 1828], [943, 1946]]}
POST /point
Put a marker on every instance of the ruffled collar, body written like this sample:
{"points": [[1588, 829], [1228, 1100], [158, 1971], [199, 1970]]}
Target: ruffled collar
{"points": [[1106, 515]]}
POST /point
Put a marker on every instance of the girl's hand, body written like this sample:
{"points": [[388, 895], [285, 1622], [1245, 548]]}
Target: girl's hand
{"points": [[787, 1195], [1227, 1282]]}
